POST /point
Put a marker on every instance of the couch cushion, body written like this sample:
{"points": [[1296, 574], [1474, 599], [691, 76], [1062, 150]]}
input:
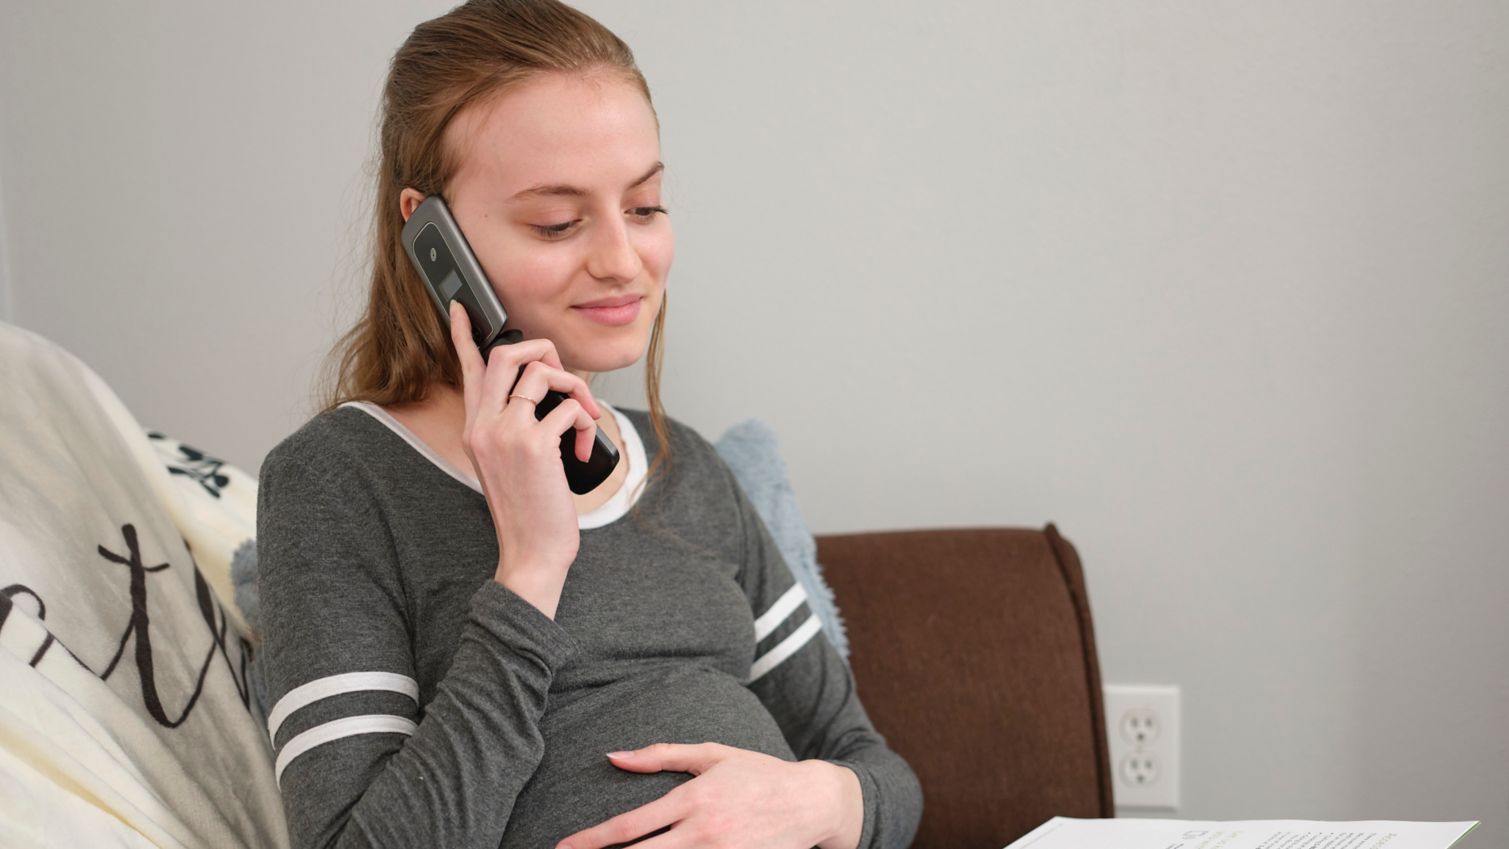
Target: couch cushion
{"points": [[974, 655]]}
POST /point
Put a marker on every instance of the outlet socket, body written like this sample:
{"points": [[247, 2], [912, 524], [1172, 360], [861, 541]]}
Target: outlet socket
{"points": [[1142, 728], [1138, 769]]}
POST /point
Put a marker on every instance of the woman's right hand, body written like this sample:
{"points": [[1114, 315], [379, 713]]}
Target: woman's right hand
{"points": [[517, 457]]}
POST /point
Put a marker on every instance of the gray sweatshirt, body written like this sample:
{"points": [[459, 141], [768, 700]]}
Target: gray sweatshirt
{"points": [[418, 702]]}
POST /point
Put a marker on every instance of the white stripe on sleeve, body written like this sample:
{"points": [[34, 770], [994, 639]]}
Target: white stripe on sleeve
{"points": [[335, 730], [779, 611], [334, 685], [785, 648]]}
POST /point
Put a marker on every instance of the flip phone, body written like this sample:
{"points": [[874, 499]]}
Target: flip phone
{"points": [[450, 270]]}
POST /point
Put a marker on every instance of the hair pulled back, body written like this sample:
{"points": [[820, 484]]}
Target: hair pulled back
{"points": [[477, 51]]}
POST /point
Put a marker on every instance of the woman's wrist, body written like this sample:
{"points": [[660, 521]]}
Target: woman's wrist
{"points": [[846, 805], [534, 586]]}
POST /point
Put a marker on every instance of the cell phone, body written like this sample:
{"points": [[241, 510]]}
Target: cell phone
{"points": [[450, 271]]}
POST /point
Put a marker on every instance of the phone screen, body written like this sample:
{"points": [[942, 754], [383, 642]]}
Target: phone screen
{"points": [[449, 286]]}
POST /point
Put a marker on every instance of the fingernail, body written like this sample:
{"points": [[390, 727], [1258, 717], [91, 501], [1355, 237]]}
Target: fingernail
{"points": [[619, 754]]}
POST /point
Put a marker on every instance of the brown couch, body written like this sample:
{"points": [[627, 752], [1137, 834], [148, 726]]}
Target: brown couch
{"points": [[974, 655]]}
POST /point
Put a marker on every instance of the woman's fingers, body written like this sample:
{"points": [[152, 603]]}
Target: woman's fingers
{"points": [[472, 365], [569, 414], [537, 377], [529, 368], [503, 369], [495, 381], [652, 818]]}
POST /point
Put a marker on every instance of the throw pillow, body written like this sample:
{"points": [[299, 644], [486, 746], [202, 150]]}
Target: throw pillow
{"points": [[750, 450], [125, 710]]}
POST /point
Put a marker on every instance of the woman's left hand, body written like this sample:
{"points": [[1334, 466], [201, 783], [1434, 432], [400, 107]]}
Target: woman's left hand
{"points": [[739, 798]]}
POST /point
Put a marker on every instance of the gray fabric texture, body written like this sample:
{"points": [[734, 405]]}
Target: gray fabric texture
{"points": [[752, 453], [372, 559]]}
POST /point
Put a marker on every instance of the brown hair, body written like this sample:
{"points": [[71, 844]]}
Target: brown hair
{"points": [[471, 54]]}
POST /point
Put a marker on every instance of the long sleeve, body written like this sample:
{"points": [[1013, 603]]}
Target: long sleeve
{"points": [[809, 689], [359, 764]]}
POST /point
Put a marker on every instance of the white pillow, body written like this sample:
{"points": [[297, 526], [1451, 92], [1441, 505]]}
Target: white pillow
{"points": [[125, 716]]}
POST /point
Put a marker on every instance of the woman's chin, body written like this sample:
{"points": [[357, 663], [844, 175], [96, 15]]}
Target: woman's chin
{"points": [[600, 360], [600, 348]]}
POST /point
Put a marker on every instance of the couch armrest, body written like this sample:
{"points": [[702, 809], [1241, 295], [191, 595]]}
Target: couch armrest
{"points": [[974, 654]]}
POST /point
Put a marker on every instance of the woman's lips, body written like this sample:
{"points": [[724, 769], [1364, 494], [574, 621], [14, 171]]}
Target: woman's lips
{"points": [[612, 315]]}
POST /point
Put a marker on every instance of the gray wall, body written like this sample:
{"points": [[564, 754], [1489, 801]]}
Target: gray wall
{"points": [[1218, 287], [7, 312]]}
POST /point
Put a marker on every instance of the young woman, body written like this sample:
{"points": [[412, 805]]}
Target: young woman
{"points": [[461, 652]]}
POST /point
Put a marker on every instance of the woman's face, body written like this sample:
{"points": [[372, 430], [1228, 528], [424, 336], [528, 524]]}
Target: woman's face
{"points": [[581, 158]]}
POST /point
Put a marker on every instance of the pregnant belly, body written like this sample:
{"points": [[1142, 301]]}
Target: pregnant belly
{"points": [[577, 787]]}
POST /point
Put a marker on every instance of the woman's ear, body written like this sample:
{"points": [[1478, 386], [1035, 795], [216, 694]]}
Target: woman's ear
{"points": [[408, 201]]}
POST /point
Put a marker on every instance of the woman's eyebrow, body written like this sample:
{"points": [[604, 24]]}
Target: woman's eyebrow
{"points": [[573, 191]]}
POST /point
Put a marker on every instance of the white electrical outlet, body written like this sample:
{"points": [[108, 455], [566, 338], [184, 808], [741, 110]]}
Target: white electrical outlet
{"points": [[1142, 728]]}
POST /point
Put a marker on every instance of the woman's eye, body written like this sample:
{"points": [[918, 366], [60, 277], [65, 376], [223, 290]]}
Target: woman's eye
{"points": [[552, 231]]}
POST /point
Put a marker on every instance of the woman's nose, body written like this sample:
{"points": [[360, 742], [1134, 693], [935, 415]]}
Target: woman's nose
{"points": [[613, 254]]}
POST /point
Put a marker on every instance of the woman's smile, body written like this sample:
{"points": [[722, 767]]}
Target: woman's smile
{"points": [[612, 311]]}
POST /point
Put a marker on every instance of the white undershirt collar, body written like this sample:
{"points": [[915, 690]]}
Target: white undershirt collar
{"points": [[605, 513]]}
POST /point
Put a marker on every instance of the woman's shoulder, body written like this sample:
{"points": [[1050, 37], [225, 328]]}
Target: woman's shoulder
{"points": [[335, 434], [696, 464]]}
